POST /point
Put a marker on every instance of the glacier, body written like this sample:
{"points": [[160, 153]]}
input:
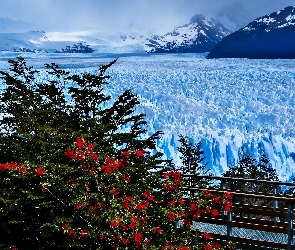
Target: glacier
{"points": [[230, 105]]}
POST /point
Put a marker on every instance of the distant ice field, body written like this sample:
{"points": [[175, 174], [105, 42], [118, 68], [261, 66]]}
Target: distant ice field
{"points": [[231, 105]]}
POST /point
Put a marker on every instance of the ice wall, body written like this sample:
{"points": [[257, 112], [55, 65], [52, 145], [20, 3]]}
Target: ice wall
{"points": [[226, 103]]}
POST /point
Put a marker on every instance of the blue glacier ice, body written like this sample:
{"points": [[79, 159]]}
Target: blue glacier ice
{"points": [[227, 104]]}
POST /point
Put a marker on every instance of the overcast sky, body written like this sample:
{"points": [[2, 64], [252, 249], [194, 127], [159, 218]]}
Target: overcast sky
{"points": [[121, 15]]}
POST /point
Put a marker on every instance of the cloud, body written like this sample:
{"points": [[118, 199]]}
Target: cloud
{"points": [[157, 16]]}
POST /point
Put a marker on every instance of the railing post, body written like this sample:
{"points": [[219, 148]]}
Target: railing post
{"points": [[222, 186], [229, 226], [290, 225], [275, 203]]}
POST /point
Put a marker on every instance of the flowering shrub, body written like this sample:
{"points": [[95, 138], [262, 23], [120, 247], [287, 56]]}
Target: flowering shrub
{"points": [[112, 206]]}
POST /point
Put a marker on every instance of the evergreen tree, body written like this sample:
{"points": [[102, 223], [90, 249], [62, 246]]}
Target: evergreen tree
{"points": [[39, 121], [192, 161], [250, 168]]}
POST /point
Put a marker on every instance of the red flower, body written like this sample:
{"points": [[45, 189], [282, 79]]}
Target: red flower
{"points": [[139, 153], [128, 198], [90, 147], [169, 187], [126, 178], [101, 204], [166, 175], [207, 194], [80, 142], [143, 205], [12, 165], [77, 207], [71, 233], [115, 191], [83, 233], [197, 214], [64, 226], [94, 209], [109, 160], [103, 237], [227, 206], [228, 195], [214, 212], [14, 248], [94, 156], [92, 170], [4, 167], [181, 201], [125, 204], [183, 248], [145, 194], [114, 224], [171, 203], [40, 171], [107, 169], [79, 155], [207, 236], [132, 224], [171, 216], [137, 238], [125, 241], [22, 169], [209, 247], [216, 200], [187, 221], [158, 230], [175, 175], [216, 245], [193, 206], [70, 154], [148, 196], [125, 153]]}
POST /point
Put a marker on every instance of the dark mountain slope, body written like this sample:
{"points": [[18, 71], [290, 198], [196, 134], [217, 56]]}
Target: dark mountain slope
{"points": [[270, 36]]}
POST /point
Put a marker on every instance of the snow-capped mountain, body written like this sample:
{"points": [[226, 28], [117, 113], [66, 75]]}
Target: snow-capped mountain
{"points": [[33, 41], [199, 35], [269, 36]]}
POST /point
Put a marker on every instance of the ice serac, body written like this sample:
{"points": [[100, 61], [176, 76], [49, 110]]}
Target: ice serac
{"points": [[199, 35], [271, 36]]}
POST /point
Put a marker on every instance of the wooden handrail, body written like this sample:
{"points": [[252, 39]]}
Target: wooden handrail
{"points": [[236, 216], [243, 194], [239, 179]]}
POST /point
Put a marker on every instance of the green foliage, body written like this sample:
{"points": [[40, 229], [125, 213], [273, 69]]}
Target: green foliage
{"points": [[39, 121]]}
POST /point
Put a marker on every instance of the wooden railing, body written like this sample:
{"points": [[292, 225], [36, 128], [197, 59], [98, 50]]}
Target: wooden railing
{"points": [[276, 218]]}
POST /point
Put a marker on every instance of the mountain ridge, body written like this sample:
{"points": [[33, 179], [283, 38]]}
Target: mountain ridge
{"points": [[268, 37], [198, 36]]}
